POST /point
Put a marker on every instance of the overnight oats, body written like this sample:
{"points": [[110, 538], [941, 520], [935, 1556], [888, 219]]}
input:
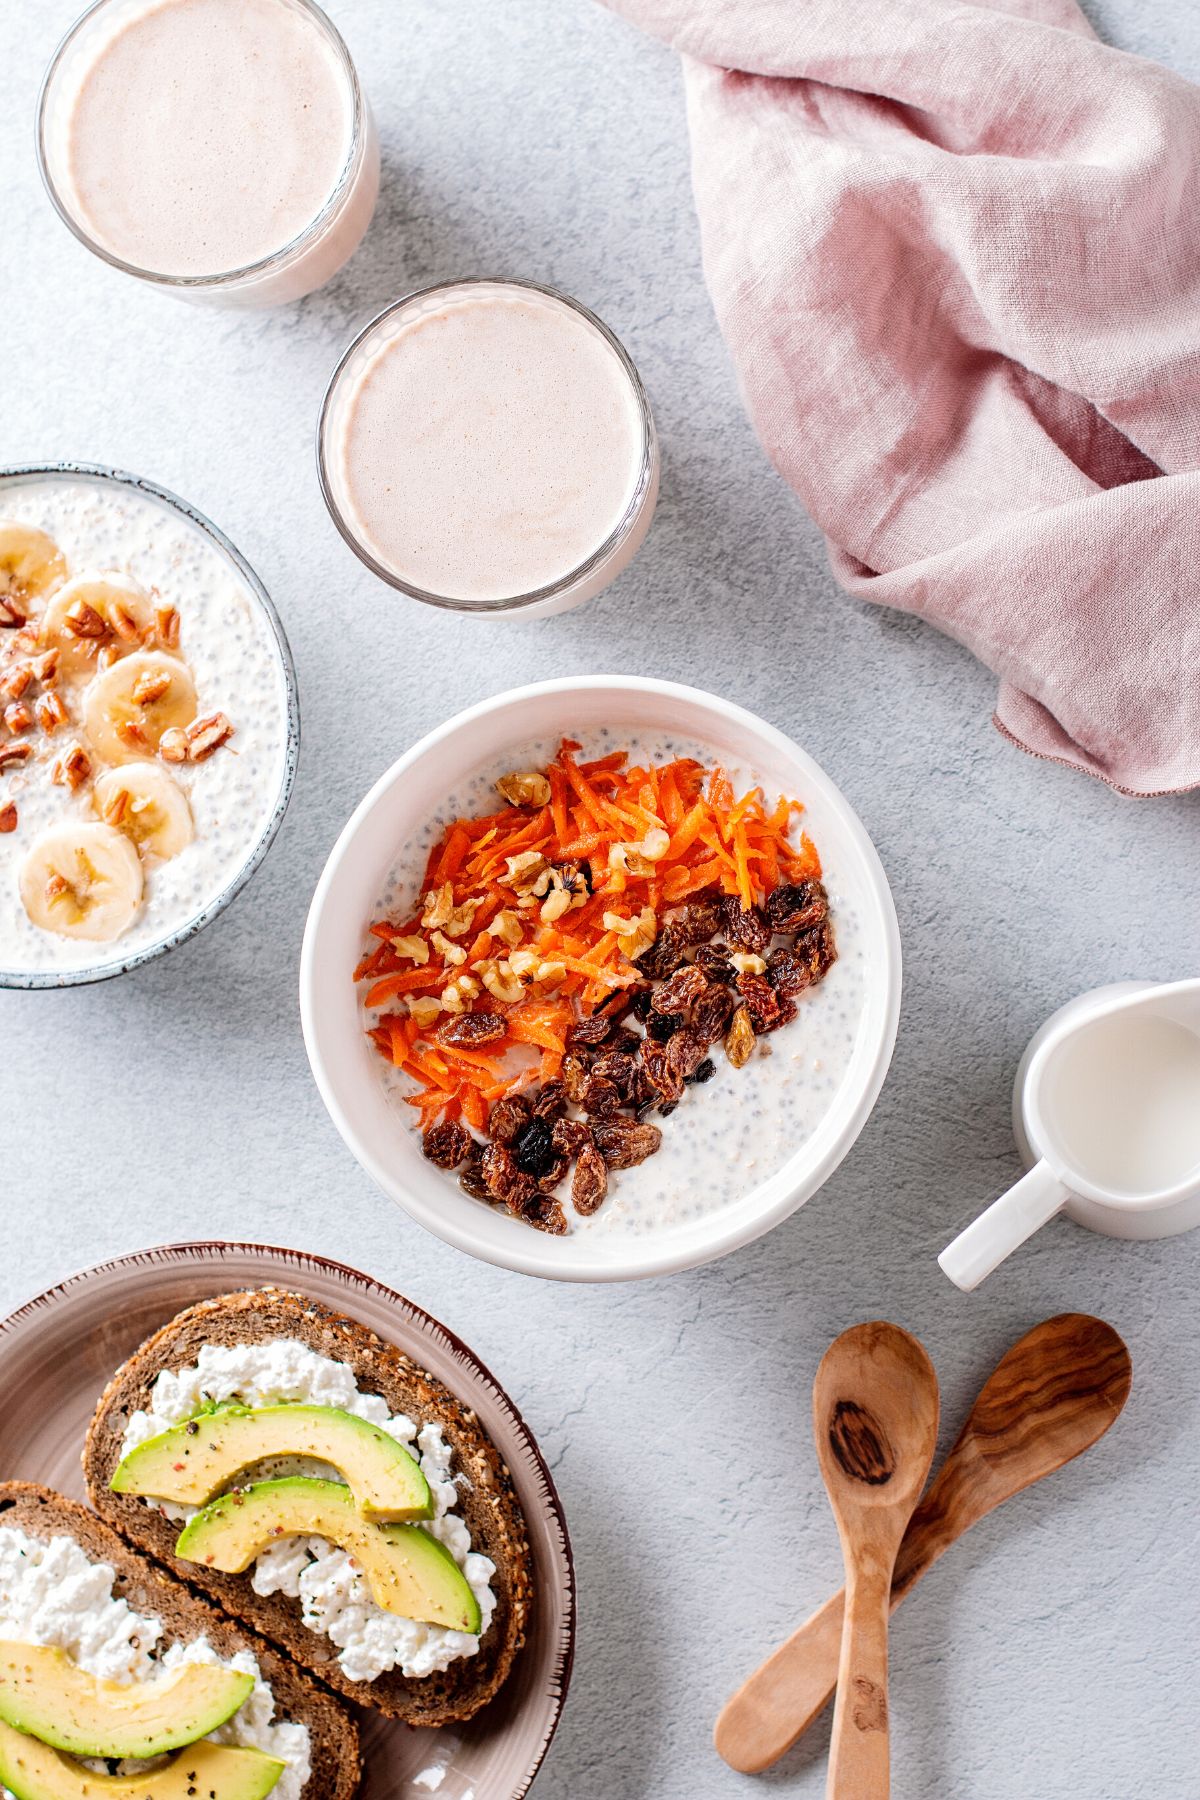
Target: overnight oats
{"points": [[488, 446], [222, 148], [611, 985], [147, 728]]}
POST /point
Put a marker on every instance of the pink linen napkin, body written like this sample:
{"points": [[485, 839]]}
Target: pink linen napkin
{"points": [[954, 248]]}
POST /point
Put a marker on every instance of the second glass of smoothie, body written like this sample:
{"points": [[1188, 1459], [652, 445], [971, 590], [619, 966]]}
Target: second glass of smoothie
{"points": [[222, 149], [488, 446]]}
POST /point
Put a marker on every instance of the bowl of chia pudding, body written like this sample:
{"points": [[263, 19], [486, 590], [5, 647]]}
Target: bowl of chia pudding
{"points": [[610, 958], [149, 723]]}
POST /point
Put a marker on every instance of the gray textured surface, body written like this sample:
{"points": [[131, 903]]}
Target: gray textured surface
{"points": [[1051, 1656]]}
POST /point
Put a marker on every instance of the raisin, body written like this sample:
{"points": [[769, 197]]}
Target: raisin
{"points": [[664, 955], [796, 908], [789, 974], [747, 927], [589, 1184], [682, 990], [555, 1170], [570, 1137], [711, 1014], [473, 1181], [470, 1029], [761, 998], [661, 1026], [623, 1143], [507, 1118], [545, 1213], [668, 1083], [447, 1145], [600, 1098], [550, 1100], [627, 1043], [698, 922], [619, 1068], [639, 1005], [685, 1053], [740, 1041], [667, 1108], [533, 1150], [575, 1078], [505, 1181], [592, 1030], [714, 960], [705, 1072], [785, 1015], [820, 947]]}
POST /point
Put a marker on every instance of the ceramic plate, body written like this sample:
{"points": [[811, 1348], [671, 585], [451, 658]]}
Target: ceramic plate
{"points": [[57, 1353]]}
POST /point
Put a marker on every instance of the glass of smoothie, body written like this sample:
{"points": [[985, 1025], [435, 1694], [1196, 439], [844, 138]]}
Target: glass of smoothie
{"points": [[221, 149], [488, 446]]}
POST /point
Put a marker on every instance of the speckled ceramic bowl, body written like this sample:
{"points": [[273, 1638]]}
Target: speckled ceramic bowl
{"points": [[109, 959], [413, 791]]}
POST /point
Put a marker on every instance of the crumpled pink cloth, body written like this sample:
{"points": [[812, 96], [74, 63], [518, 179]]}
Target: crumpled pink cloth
{"points": [[954, 249]]}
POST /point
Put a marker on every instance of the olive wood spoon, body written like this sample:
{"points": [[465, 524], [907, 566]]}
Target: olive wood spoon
{"points": [[1052, 1397], [875, 1419]]}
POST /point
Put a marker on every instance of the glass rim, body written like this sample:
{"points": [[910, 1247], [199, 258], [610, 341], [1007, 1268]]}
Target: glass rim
{"points": [[104, 970], [247, 271], [618, 534]]}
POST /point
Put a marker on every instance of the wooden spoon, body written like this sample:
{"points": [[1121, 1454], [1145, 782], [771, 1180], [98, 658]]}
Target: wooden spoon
{"points": [[1048, 1400], [875, 1418]]}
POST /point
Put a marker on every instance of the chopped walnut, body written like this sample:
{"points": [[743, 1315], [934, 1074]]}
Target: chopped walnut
{"points": [[73, 768], [634, 936], [51, 713], [499, 980], [11, 754], [557, 902], [527, 789], [151, 687], [527, 873], [415, 949], [83, 621], [655, 844], [18, 717], [204, 736], [424, 1008], [8, 818], [456, 992], [449, 953], [629, 858], [173, 745], [14, 681], [441, 914], [746, 963], [508, 928]]}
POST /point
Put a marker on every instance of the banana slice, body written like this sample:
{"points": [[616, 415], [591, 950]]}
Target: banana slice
{"points": [[82, 881], [127, 707], [141, 800], [30, 565], [91, 610]]}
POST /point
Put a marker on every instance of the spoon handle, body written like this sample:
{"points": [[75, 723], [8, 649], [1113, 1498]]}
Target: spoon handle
{"points": [[859, 1753]]}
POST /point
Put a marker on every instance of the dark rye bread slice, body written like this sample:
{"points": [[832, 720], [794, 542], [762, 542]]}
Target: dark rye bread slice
{"points": [[332, 1734], [487, 1501]]}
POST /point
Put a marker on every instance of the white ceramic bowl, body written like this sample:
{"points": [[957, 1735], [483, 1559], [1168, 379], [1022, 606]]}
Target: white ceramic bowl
{"points": [[345, 1063]]}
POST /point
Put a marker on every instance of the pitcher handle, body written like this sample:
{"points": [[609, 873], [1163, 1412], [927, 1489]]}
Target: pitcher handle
{"points": [[997, 1232]]}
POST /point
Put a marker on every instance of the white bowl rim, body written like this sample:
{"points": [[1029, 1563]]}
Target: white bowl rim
{"points": [[723, 1231]]}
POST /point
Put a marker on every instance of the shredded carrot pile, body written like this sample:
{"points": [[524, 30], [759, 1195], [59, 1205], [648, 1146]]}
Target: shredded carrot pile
{"points": [[537, 913]]}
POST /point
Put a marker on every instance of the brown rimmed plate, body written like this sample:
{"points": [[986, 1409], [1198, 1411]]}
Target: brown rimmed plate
{"points": [[57, 1353]]}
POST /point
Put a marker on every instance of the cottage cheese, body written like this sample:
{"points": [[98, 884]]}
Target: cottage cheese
{"points": [[334, 1596], [51, 1593], [227, 642]]}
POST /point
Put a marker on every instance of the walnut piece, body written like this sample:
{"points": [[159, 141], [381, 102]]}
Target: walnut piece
{"points": [[414, 949], [634, 936], [525, 789]]}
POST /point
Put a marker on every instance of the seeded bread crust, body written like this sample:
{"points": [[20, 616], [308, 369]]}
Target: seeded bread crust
{"points": [[333, 1736], [487, 1501]]}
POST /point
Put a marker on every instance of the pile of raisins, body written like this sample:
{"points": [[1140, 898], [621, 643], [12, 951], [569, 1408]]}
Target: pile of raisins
{"points": [[692, 998]]}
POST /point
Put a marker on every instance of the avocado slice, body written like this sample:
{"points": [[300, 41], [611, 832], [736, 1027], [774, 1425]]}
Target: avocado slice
{"points": [[34, 1771], [45, 1693], [408, 1571], [195, 1460]]}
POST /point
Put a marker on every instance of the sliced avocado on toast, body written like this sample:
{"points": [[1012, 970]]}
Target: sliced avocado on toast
{"points": [[33, 1771], [195, 1460], [46, 1694], [408, 1571]]}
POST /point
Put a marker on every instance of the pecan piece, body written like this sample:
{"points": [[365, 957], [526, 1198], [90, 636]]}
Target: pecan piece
{"points": [[166, 624], [51, 713], [589, 1184], [623, 1143], [8, 818], [12, 615], [83, 621], [11, 754], [72, 770], [18, 717], [204, 736], [151, 687], [14, 681], [447, 1144], [173, 745]]}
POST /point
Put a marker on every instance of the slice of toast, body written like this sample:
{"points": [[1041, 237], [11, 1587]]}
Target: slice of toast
{"points": [[487, 1501], [333, 1736]]}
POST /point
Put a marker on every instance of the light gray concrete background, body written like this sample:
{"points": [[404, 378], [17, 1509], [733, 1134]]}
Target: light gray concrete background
{"points": [[1051, 1656]]}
